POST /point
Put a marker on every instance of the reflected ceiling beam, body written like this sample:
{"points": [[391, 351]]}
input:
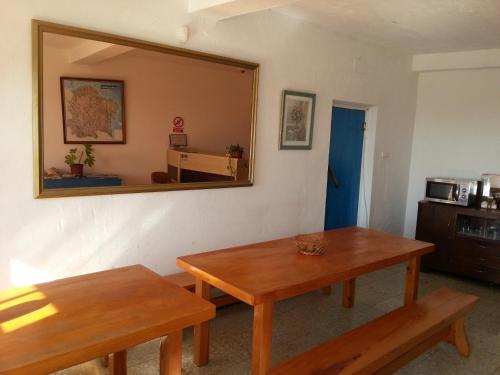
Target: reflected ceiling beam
{"points": [[223, 9], [94, 52]]}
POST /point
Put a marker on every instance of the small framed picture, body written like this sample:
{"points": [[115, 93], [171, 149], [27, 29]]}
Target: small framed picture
{"points": [[297, 120]]}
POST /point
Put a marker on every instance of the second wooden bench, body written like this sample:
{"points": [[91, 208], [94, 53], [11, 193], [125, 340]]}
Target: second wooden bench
{"points": [[384, 345]]}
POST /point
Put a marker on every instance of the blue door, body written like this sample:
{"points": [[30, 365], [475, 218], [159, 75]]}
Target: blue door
{"points": [[344, 168]]}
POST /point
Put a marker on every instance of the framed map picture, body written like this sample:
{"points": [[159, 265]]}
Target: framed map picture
{"points": [[297, 120], [93, 110]]}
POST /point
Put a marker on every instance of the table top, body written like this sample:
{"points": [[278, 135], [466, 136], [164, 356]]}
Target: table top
{"points": [[50, 326], [275, 270]]}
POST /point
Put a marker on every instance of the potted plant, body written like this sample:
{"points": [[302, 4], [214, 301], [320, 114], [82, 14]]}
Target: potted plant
{"points": [[76, 168], [235, 151]]}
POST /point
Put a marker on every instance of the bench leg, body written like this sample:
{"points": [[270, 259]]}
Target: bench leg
{"points": [[327, 290], [202, 330], [118, 363], [349, 292], [412, 277], [171, 354], [458, 337], [262, 337]]}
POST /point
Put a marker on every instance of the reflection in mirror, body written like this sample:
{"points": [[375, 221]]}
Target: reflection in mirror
{"points": [[116, 115]]}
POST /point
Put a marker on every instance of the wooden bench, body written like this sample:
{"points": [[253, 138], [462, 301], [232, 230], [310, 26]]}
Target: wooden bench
{"points": [[386, 344], [187, 281]]}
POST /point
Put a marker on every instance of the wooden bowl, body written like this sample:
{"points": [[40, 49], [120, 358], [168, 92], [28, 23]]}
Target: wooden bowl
{"points": [[310, 244]]}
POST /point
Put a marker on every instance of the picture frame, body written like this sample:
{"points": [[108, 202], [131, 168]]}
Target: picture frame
{"points": [[103, 126], [297, 120]]}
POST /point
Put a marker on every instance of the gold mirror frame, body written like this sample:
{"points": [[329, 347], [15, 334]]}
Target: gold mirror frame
{"points": [[40, 27]]}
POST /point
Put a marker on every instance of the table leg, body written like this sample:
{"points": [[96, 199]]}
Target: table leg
{"points": [[171, 354], [262, 337], [105, 360], [202, 330], [349, 292], [118, 363], [412, 276]]}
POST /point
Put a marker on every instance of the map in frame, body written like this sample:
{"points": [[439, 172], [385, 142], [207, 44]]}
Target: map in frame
{"points": [[93, 110]]}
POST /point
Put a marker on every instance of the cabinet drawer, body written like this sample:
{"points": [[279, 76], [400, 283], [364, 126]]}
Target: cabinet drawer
{"points": [[477, 271], [476, 253]]}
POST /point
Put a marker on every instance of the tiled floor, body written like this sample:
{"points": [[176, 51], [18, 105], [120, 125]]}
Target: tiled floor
{"points": [[303, 322]]}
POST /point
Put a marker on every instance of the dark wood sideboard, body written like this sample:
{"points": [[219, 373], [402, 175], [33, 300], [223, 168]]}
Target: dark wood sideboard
{"points": [[467, 240]]}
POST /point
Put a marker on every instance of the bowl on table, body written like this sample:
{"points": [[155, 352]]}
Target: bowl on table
{"points": [[310, 244]]}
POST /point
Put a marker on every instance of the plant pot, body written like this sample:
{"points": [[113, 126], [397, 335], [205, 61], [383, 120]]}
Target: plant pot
{"points": [[76, 170], [237, 154]]}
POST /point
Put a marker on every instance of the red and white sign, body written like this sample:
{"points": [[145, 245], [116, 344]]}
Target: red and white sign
{"points": [[178, 125]]}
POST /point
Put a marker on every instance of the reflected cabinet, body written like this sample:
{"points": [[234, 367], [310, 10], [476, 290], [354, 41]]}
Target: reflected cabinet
{"points": [[119, 115]]}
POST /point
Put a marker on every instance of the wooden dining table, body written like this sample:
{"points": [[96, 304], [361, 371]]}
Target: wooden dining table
{"points": [[264, 273], [55, 325]]}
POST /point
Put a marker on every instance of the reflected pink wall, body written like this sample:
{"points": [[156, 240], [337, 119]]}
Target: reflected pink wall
{"points": [[214, 102]]}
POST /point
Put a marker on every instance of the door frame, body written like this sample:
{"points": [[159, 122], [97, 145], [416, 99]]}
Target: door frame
{"points": [[367, 158]]}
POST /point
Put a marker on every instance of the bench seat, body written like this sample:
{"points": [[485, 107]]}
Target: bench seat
{"points": [[386, 344]]}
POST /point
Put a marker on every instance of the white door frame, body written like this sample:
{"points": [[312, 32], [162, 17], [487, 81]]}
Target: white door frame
{"points": [[367, 158]]}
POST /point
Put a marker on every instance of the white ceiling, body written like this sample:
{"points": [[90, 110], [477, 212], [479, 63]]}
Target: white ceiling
{"points": [[222, 9], [417, 26]]}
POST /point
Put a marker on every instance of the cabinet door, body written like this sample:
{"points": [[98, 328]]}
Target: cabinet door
{"points": [[444, 224], [436, 223], [425, 232], [444, 232], [425, 223]]}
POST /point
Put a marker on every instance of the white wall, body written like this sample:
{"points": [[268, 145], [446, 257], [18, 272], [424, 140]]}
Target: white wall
{"points": [[60, 237], [457, 130]]}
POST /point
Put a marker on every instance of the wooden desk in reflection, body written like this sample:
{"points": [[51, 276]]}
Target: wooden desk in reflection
{"points": [[187, 165]]}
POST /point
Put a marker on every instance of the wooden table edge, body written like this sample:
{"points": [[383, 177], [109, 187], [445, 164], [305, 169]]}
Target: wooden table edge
{"points": [[98, 353], [301, 288], [236, 292], [111, 348], [113, 344]]}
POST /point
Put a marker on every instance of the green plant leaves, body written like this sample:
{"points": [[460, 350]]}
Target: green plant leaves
{"points": [[70, 158]]}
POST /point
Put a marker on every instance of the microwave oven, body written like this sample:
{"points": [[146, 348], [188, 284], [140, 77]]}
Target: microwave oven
{"points": [[458, 191]]}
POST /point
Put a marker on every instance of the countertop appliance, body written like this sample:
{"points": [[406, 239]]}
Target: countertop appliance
{"points": [[491, 184], [457, 191]]}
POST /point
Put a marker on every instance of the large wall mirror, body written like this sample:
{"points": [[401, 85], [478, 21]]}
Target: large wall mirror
{"points": [[118, 115]]}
